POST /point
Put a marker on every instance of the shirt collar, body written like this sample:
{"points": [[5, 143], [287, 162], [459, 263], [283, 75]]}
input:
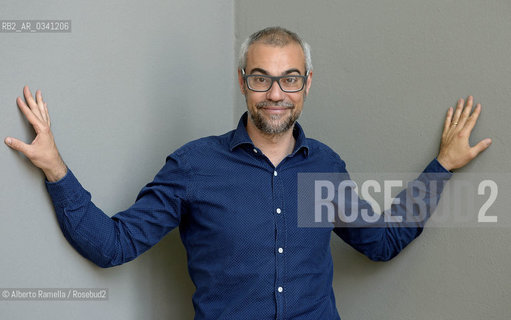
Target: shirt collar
{"points": [[241, 136]]}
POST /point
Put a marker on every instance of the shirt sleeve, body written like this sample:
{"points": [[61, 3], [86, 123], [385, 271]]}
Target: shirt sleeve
{"points": [[383, 240], [109, 241]]}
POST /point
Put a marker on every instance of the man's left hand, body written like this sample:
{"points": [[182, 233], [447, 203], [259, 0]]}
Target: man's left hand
{"points": [[455, 150]]}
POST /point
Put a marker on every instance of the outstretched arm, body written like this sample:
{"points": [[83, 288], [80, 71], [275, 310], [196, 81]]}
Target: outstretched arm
{"points": [[384, 243], [106, 241], [42, 151]]}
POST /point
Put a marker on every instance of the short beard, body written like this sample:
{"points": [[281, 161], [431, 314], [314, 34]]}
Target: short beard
{"points": [[273, 127]]}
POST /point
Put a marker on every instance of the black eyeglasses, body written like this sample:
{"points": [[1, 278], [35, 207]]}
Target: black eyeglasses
{"points": [[263, 83]]}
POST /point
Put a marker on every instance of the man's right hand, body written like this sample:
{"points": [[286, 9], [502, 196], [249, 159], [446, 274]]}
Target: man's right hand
{"points": [[42, 151]]}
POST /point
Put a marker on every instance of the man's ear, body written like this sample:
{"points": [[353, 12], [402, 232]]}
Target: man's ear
{"points": [[241, 82], [309, 82]]}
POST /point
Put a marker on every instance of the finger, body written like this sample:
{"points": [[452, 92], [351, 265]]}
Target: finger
{"points": [[480, 147], [471, 121], [31, 102], [40, 104], [466, 112], [47, 114], [31, 117], [457, 113], [448, 119], [17, 145]]}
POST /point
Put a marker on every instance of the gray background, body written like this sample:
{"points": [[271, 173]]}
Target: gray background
{"points": [[133, 81]]}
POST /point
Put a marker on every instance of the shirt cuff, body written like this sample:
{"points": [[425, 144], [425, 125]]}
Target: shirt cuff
{"points": [[65, 191], [436, 166], [435, 172]]}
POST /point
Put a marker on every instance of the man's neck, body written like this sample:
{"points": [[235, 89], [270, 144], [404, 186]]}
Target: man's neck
{"points": [[274, 146]]}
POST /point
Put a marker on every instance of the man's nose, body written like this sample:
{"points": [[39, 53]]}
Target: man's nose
{"points": [[275, 93]]}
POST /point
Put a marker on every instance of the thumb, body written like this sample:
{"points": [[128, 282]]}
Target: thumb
{"points": [[17, 144], [481, 146]]}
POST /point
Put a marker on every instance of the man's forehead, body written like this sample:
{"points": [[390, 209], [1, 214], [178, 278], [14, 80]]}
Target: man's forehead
{"points": [[261, 55]]}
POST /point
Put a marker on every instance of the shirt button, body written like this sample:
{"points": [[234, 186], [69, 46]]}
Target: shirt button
{"points": [[275, 173], [255, 150], [278, 210], [280, 289], [281, 250]]}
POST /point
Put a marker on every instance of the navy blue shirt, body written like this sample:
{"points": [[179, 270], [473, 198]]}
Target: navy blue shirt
{"points": [[237, 217]]}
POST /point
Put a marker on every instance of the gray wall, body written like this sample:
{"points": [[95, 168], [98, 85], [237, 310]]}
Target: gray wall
{"points": [[385, 74], [133, 81]]}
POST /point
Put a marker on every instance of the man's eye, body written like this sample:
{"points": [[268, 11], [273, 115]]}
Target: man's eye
{"points": [[290, 80], [260, 79]]}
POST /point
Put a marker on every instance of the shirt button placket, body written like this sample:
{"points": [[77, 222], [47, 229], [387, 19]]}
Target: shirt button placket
{"points": [[279, 243]]}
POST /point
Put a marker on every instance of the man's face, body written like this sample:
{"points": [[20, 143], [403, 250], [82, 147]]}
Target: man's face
{"points": [[274, 112]]}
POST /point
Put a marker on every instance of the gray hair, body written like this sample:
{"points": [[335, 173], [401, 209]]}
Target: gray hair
{"points": [[276, 36]]}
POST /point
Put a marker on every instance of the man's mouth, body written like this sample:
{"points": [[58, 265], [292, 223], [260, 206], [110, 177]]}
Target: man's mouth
{"points": [[276, 107]]}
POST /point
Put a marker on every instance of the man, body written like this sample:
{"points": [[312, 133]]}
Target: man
{"points": [[234, 196]]}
